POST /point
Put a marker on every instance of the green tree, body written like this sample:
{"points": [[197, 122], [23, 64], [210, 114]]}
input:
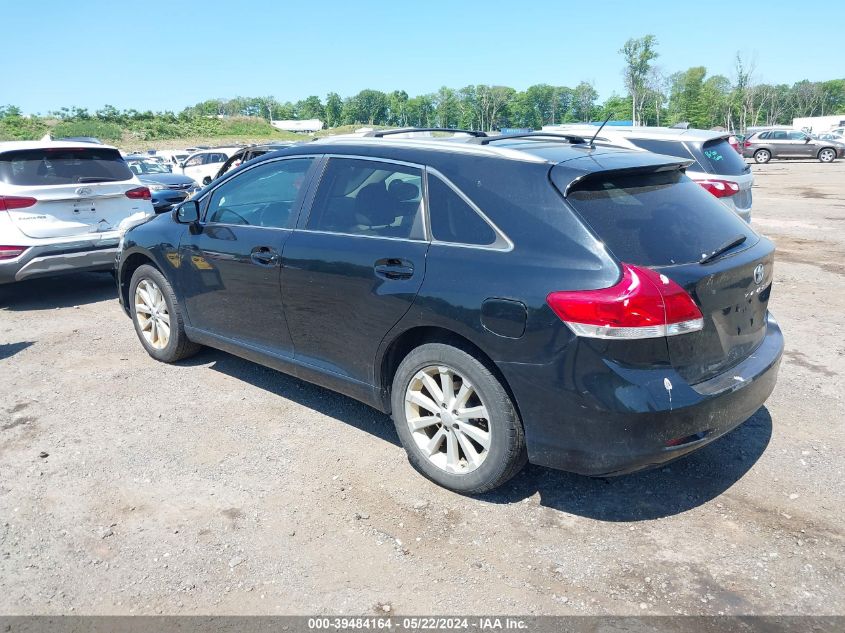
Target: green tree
{"points": [[334, 107], [638, 54], [584, 101]]}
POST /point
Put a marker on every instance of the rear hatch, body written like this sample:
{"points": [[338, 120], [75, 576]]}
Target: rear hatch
{"points": [[720, 159], [77, 190], [664, 221]]}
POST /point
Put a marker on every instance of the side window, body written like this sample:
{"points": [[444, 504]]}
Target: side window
{"points": [[778, 135], [453, 220], [265, 195], [194, 161], [796, 136], [764, 135], [364, 197]]}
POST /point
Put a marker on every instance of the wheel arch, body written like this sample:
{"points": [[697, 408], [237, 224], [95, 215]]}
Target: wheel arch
{"points": [[403, 344], [128, 266]]}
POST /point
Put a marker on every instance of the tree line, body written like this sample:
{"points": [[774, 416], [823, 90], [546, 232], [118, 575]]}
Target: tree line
{"points": [[651, 97]]}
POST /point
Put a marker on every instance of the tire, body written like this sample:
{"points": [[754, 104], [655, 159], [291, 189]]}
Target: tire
{"points": [[165, 344], [471, 468], [762, 156], [827, 155]]}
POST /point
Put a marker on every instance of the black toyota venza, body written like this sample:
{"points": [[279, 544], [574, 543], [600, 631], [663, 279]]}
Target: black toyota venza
{"points": [[507, 299]]}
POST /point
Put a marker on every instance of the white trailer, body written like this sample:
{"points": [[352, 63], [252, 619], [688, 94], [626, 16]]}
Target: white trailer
{"points": [[292, 125]]}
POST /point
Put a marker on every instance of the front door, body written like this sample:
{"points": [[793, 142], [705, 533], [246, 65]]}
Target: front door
{"points": [[354, 266], [230, 263]]}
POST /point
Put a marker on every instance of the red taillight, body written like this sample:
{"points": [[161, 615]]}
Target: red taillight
{"points": [[7, 203], [747, 144], [645, 304], [139, 193], [10, 252], [720, 188]]}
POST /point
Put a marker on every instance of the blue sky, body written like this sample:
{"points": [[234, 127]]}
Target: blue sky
{"points": [[161, 55]]}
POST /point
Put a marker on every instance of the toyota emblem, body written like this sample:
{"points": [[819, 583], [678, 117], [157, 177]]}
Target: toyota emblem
{"points": [[758, 274]]}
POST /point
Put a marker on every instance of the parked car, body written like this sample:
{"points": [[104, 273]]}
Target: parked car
{"points": [[507, 299], [202, 166], [246, 154], [831, 137], [787, 143], [64, 206], [167, 189], [724, 174]]}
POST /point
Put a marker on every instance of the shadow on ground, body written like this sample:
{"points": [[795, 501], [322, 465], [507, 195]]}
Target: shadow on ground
{"points": [[62, 291], [8, 350], [673, 489]]}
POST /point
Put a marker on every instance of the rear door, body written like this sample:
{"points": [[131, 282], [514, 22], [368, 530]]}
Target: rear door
{"points": [[229, 264], [666, 222], [355, 265], [70, 191]]}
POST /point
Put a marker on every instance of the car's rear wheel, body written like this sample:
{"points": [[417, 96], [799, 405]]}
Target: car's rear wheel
{"points": [[456, 420], [157, 316], [827, 155], [762, 156]]}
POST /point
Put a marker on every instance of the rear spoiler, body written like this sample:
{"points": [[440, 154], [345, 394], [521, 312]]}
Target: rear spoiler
{"points": [[569, 174]]}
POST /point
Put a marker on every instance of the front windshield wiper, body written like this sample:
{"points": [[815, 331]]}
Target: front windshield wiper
{"points": [[735, 241], [96, 179]]}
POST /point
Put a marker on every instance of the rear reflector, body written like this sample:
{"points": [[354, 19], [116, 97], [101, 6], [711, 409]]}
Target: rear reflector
{"points": [[139, 193], [645, 304], [7, 203], [10, 252], [720, 188]]}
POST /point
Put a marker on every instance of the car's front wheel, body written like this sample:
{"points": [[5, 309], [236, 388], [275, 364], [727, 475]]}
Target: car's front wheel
{"points": [[157, 316], [827, 155], [762, 156], [456, 420]]}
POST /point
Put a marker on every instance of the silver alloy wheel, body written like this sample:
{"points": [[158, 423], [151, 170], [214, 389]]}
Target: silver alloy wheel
{"points": [[762, 156], [827, 155], [447, 419], [151, 313]]}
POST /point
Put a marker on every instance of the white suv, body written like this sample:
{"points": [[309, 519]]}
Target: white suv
{"points": [[715, 164], [64, 207], [204, 165]]}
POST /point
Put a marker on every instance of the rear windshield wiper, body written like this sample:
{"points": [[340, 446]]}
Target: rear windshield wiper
{"points": [[734, 241], [96, 179]]}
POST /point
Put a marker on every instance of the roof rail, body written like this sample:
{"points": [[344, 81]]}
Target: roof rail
{"points": [[406, 130], [570, 138]]}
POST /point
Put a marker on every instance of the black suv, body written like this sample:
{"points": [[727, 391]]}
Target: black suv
{"points": [[507, 298]]}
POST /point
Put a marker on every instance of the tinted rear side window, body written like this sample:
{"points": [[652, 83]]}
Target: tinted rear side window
{"points": [[721, 158], [656, 219], [49, 166], [452, 219]]}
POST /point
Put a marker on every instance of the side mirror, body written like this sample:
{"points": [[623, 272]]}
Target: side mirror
{"points": [[188, 212], [181, 165]]}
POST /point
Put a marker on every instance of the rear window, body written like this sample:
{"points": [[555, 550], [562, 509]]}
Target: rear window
{"points": [[656, 219], [51, 166], [722, 158]]}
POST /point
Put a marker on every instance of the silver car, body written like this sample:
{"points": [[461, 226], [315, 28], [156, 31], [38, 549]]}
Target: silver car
{"points": [[716, 166]]}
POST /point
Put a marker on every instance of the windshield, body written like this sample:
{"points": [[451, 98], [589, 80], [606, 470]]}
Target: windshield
{"points": [[722, 158], [141, 167], [656, 219], [62, 166]]}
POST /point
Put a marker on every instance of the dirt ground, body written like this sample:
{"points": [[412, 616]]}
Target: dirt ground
{"points": [[218, 486]]}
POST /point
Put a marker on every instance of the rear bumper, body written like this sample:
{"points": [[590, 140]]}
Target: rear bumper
{"points": [[631, 421], [61, 257]]}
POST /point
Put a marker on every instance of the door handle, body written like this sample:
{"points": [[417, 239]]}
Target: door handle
{"points": [[394, 268], [264, 255]]}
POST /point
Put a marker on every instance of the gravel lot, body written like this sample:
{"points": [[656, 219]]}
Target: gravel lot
{"points": [[218, 486]]}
